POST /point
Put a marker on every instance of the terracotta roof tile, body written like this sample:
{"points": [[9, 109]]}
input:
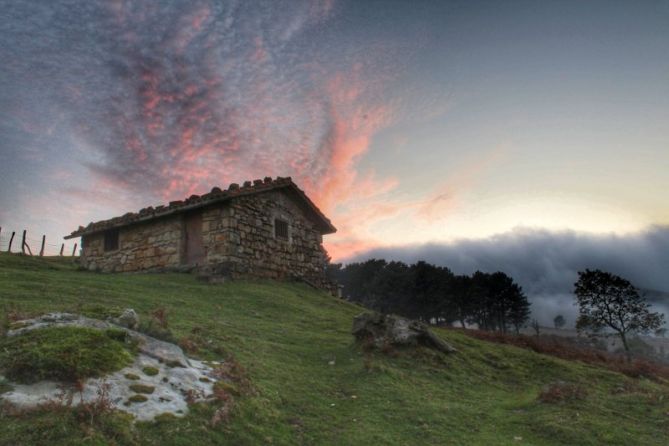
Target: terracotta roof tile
{"points": [[195, 201]]}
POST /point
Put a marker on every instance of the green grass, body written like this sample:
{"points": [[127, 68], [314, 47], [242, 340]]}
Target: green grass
{"points": [[286, 335], [63, 354]]}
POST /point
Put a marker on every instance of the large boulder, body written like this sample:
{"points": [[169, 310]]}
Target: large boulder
{"points": [[388, 329]]}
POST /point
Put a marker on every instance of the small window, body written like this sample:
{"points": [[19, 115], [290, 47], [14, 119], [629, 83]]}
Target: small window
{"points": [[111, 240], [281, 229]]}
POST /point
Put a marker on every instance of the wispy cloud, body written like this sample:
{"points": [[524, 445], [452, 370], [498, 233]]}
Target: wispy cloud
{"points": [[160, 100]]}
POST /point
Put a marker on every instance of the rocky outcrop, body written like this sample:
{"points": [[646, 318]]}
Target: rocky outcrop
{"points": [[160, 380], [387, 329]]}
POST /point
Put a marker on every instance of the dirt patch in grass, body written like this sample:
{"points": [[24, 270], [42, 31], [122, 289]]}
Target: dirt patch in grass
{"points": [[562, 391], [63, 354]]}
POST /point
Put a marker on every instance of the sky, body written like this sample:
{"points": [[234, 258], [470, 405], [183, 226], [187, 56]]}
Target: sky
{"points": [[411, 124]]}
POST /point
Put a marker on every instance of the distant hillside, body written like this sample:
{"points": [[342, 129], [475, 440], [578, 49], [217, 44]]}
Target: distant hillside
{"points": [[309, 384]]}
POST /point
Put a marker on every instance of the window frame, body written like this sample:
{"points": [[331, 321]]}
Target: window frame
{"points": [[281, 223], [111, 240]]}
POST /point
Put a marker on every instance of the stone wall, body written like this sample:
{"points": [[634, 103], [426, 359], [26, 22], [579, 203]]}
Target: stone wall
{"points": [[147, 246], [238, 238]]}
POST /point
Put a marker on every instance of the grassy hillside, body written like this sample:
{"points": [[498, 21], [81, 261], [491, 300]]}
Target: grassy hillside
{"points": [[286, 337]]}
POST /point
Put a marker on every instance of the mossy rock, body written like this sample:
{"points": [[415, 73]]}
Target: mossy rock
{"points": [[141, 388], [131, 377], [63, 354], [150, 371]]}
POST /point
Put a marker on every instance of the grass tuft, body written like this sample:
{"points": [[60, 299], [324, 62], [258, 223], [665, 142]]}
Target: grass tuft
{"points": [[137, 399], [150, 371], [141, 388], [63, 354]]}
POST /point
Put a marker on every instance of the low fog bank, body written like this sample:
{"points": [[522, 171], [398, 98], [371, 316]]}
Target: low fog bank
{"points": [[546, 263]]}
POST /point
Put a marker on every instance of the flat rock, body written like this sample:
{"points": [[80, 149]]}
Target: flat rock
{"points": [[155, 348], [179, 380]]}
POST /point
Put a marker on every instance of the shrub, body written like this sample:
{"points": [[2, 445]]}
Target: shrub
{"points": [[155, 329], [568, 349], [63, 353], [235, 374], [98, 408]]}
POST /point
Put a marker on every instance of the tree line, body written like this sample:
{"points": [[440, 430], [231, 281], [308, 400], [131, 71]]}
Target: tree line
{"points": [[434, 294]]}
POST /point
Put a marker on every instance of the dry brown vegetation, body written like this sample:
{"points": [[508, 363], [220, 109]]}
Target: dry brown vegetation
{"points": [[564, 349], [562, 391]]}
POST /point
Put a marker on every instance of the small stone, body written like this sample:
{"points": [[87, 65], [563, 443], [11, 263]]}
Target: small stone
{"points": [[128, 319]]}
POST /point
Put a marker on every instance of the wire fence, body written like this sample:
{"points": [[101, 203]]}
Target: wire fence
{"points": [[26, 243]]}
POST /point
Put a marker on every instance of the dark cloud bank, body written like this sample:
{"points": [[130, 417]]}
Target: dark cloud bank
{"points": [[546, 263]]}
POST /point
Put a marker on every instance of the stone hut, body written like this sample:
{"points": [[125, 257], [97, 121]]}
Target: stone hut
{"points": [[264, 229]]}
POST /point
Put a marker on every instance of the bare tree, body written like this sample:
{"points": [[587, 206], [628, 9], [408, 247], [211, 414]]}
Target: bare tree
{"points": [[536, 327]]}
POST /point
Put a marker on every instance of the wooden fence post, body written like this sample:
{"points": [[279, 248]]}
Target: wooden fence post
{"points": [[41, 251], [23, 242], [11, 239], [62, 246], [74, 249]]}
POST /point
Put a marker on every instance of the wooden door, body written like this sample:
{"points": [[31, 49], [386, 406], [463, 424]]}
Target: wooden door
{"points": [[194, 249]]}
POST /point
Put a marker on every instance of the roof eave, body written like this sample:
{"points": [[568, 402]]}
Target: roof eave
{"points": [[325, 226]]}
